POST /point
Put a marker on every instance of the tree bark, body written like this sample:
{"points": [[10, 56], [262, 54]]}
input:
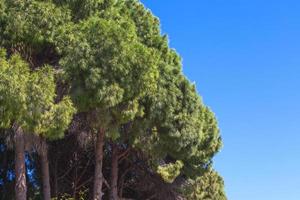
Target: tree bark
{"points": [[45, 172], [98, 176], [20, 170], [114, 174]]}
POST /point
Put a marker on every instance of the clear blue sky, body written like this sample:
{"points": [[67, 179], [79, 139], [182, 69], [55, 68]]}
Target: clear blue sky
{"points": [[244, 56]]}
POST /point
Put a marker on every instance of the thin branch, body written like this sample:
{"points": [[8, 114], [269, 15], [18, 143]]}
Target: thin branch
{"points": [[106, 183], [124, 154], [84, 183]]}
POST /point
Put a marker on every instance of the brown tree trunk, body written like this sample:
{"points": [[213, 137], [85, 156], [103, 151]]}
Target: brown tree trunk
{"points": [[20, 171], [45, 172], [98, 176], [114, 174]]}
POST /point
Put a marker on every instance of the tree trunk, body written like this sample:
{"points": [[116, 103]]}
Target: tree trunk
{"points": [[114, 174], [45, 172], [20, 171], [98, 176]]}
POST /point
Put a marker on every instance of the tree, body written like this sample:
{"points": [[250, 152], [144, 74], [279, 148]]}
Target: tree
{"points": [[139, 111], [110, 71], [33, 39], [27, 106], [178, 133], [208, 186]]}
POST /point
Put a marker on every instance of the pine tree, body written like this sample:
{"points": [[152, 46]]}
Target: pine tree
{"points": [[123, 78], [110, 71], [206, 187], [27, 105]]}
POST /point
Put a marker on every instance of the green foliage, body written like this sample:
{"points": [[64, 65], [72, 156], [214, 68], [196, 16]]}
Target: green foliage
{"points": [[175, 122], [14, 74], [109, 68], [81, 196], [170, 172], [185, 128], [209, 186], [2, 7], [81, 9], [27, 98], [119, 69], [31, 22], [147, 25]]}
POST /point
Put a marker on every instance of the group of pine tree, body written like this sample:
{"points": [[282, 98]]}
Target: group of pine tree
{"points": [[94, 105]]}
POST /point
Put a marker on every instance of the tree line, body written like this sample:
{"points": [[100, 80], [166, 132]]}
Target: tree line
{"points": [[94, 105]]}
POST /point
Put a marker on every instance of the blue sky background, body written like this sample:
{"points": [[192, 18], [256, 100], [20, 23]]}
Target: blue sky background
{"points": [[244, 56]]}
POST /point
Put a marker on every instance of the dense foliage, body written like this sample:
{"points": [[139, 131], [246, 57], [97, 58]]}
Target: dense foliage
{"points": [[94, 105]]}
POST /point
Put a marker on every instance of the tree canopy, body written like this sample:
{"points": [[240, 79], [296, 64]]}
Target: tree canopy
{"points": [[27, 99], [97, 82]]}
